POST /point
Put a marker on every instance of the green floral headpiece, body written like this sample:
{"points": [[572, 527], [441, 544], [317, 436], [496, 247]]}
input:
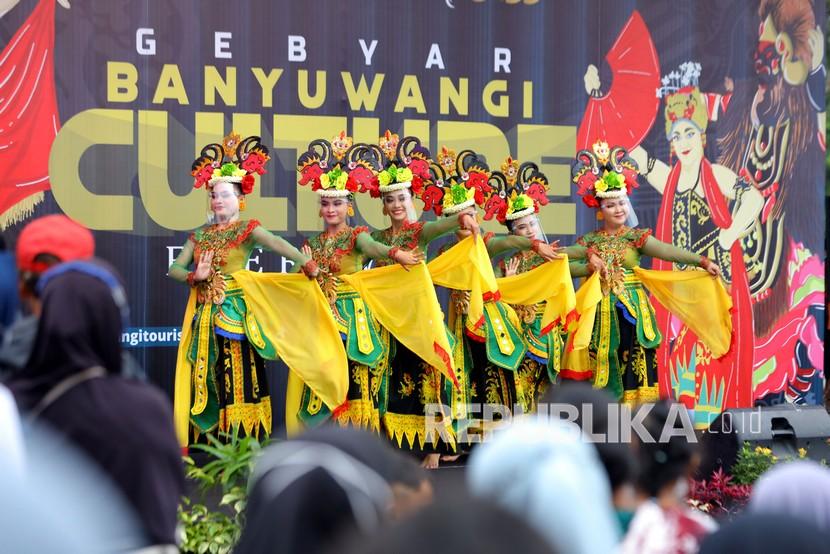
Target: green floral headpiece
{"points": [[458, 198], [393, 174], [610, 183]]}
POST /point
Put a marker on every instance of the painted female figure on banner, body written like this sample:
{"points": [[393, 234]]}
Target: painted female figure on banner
{"points": [[754, 212], [706, 208]]}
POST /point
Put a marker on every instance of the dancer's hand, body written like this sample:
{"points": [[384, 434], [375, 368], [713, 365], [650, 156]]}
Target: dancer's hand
{"points": [[310, 269], [547, 251], [710, 266], [595, 264], [408, 257], [469, 222], [306, 250], [204, 266], [511, 267]]}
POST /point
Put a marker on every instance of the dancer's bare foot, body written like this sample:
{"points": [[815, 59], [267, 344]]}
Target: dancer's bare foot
{"points": [[452, 458], [431, 461]]}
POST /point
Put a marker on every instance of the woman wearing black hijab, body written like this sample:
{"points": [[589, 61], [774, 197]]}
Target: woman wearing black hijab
{"points": [[72, 383], [767, 534], [308, 493]]}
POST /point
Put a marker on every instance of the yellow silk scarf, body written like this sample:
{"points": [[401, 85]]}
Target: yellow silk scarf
{"points": [[697, 299], [466, 266], [550, 282], [404, 302], [288, 308]]}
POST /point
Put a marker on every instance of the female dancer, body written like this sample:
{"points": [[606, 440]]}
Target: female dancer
{"points": [[520, 190], [226, 348], [336, 171], [412, 384], [625, 335], [491, 349]]}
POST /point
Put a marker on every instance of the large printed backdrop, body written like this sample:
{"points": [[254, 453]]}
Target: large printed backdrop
{"points": [[104, 105]]}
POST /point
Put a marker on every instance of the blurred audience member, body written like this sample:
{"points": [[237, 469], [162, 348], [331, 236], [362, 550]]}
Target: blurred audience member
{"points": [[72, 383], [62, 504], [800, 489], [543, 472], [9, 298], [307, 493], [461, 524], [43, 243], [593, 409], [11, 436], [664, 522], [767, 534]]}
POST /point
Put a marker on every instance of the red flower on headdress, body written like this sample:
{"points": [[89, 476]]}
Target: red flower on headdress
{"points": [[417, 186], [352, 184], [590, 200], [374, 187], [247, 184]]}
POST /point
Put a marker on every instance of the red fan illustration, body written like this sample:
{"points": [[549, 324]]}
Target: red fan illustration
{"points": [[625, 114], [28, 114]]}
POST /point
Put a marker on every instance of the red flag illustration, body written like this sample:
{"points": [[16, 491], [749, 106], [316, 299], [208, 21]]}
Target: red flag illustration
{"points": [[28, 114]]}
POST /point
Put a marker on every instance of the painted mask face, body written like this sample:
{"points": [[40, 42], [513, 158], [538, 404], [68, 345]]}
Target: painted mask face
{"points": [[687, 141]]}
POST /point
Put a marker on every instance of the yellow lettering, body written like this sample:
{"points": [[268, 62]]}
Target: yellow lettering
{"points": [[267, 83], [111, 212], [417, 128], [170, 86], [225, 87], [527, 103], [121, 82], [362, 96], [496, 107], [165, 207], [534, 144], [409, 96], [459, 97], [307, 100]]}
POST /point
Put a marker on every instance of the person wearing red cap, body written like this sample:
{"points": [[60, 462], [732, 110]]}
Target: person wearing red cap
{"points": [[51, 240], [43, 243]]}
